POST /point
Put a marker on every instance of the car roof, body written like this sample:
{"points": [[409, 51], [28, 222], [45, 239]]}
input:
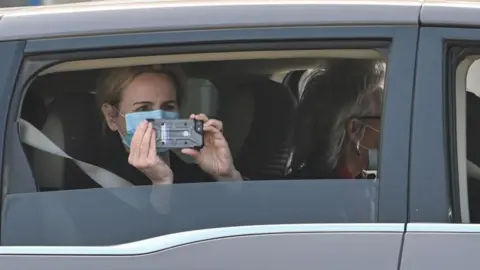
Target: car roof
{"points": [[112, 17], [451, 13], [125, 16]]}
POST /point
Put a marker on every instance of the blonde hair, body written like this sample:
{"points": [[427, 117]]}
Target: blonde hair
{"points": [[112, 82]]}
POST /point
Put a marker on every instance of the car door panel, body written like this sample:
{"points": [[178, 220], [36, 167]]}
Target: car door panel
{"points": [[429, 179], [327, 250], [441, 246]]}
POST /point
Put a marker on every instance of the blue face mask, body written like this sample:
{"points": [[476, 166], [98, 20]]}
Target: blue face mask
{"points": [[132, 120]]}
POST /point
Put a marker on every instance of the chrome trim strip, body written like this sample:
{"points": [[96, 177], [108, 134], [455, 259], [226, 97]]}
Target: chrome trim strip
{"points": [[177, 239], [443, 228]]}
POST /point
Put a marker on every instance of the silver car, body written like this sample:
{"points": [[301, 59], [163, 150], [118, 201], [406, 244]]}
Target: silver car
{"points": [[418, 213]]}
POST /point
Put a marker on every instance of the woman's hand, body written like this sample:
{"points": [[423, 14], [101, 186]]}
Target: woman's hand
{"points": [[143, 155], [215, 157]]}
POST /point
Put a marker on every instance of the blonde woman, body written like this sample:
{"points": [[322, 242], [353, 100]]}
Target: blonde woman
{"points": [[128, 96]]}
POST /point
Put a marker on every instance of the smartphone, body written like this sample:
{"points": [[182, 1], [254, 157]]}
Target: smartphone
{"points": [[178, 133]]}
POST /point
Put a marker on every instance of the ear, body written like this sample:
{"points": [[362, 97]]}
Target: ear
{"points": [[353, 129], [110, 115]]}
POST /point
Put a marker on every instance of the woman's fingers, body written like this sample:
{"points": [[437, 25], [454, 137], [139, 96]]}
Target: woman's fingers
{"points": [[208, 122], [201, 117], [191, 152], [143, 150], [153, 145], [212, 135], [211, 129], [214, 123], [147, 140], [137, 138]]}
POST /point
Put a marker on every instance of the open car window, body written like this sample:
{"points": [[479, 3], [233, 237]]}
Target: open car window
{"points": [[72, 208]]}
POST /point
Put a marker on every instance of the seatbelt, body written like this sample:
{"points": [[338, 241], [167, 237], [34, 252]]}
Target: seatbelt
{"points": [[30, 135]]}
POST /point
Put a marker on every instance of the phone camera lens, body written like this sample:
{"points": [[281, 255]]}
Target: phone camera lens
{"points": [[198, 126]]}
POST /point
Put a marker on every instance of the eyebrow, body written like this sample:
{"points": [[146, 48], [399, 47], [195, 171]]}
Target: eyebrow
{"points": [[142, 102], [149, 102]]}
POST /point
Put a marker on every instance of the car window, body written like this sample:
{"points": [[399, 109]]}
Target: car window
{"points": [[311, 162], [467, 90], [465, 170]]}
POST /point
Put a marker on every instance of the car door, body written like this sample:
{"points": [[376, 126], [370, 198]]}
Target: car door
{"points": [[441, 233], [254, 224]]}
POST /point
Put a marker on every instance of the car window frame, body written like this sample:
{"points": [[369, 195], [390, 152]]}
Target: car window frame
{"points": [[392, 202], [437, 224], [435, 146], [12, 53]]}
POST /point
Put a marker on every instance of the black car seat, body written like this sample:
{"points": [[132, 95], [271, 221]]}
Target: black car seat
{"points": [[291, 81], [34, 109], [257, 114], [72, 123], [473, 153], [473, 127], [305, 139], [35, 112]]}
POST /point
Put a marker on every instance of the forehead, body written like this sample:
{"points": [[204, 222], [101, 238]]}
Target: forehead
{"points": [[153, 84]]}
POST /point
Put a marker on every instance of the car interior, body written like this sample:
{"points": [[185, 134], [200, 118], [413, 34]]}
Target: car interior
{"points": [[256, 112], [255, 96]]}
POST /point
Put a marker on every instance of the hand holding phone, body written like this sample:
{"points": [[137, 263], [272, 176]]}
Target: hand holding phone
{"points": [[215, 157], [178, 133]]}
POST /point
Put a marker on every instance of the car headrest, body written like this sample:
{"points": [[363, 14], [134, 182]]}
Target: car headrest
{"points": [[257, 115], [34, 109], [201, 96], [236, 109]]}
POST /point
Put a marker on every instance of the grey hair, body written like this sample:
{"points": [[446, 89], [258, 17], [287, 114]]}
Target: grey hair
{"points": [[343, 91]]}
